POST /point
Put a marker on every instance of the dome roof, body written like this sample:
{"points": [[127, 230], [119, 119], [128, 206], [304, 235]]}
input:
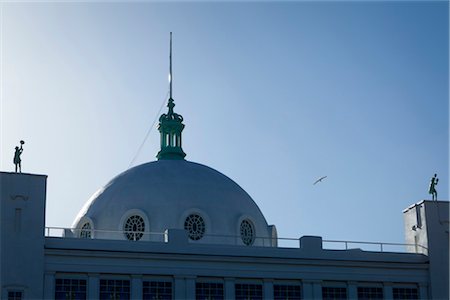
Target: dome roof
{"points": [[173, 193], [165, 193]]}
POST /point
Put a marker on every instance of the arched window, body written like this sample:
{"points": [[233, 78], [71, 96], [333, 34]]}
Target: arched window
{"points": [[247, 232], [195, 226], [134, 228], [86, 231]]}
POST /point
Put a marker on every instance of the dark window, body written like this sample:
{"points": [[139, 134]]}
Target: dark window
{"points": [[86, 231], [114, 289], [332, 293], [134, 228], [72, 289], [209, 291], [406, 293], [247, 291], [247, 232], [370, 293], [195, 226], [287, 292], [15, 295], [156, 290]]}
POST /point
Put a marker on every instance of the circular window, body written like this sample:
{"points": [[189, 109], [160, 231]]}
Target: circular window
{"points": [[85, 232], [247, 232], [134, 228], [195, 227]]}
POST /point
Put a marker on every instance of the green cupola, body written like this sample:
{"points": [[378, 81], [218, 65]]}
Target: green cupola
{"points": [[170, 125]]}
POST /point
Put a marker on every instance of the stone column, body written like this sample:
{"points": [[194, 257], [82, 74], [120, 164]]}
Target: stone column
{"points": [[312, 289], [388, 291], [190, 287], [352, 290], [136, 287], [179, 288], [317, 289], [307, 289], [93, 286], [229, 288], [268, 289], [423, 291]]}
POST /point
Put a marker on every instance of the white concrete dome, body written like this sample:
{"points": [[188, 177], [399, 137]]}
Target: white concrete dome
{"points": [[174, 194]]}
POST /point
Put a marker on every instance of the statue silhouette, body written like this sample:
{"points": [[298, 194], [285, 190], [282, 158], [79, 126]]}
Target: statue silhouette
{"points": [[17, 160], [432, 189]]}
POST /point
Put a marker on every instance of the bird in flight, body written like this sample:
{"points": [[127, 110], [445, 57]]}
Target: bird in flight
{"points": [[319, 180]]}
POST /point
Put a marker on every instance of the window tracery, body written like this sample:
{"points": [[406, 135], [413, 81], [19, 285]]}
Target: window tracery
{"points": [[134, 228], [247, 232], [195, 226]]}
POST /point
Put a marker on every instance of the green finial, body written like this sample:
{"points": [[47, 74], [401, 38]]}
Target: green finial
{"points": [[170, 126]]}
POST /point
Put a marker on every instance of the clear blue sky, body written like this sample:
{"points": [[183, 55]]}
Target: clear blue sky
{"points": [[274, 95]]}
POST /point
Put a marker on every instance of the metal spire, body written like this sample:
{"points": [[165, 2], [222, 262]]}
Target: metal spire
{"points": [[170, 67], [170, 125]]}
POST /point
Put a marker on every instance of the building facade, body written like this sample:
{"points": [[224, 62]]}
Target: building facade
{"points": [[174, 229]]}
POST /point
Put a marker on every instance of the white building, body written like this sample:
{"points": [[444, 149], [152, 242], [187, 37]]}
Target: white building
{"points": [[174, 229]]}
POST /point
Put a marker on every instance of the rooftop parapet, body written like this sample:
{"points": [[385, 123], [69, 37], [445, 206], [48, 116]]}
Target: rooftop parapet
{"points": [[178, 236]]}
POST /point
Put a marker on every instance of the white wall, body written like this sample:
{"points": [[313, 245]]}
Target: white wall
{"points": [[427, 224], [22, 213]]}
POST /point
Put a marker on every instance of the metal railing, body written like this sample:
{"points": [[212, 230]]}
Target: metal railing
{"points": [[104, 234], [232, 240], [374, 246]]}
